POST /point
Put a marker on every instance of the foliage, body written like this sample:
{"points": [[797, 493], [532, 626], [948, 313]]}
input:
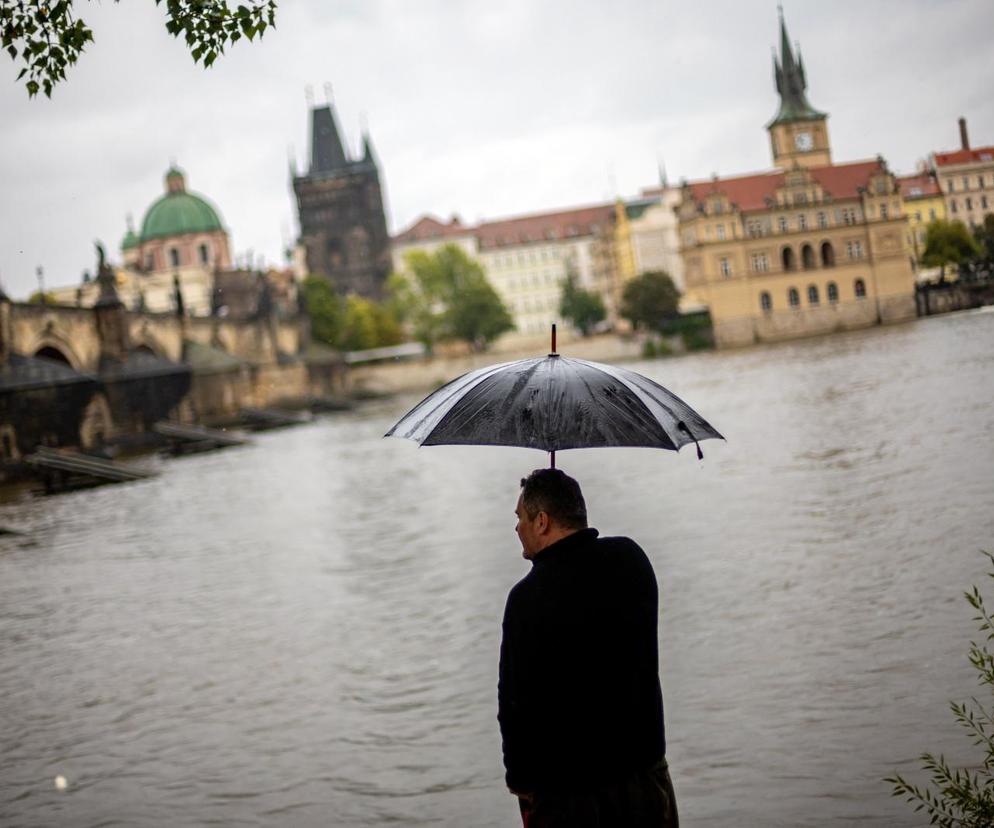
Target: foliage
{"points": [[649, 299], [39, 298], [367, 324], [45, 38], [352, 323], [447, 296], [961, 799], [948, 242], [581, 307], [983, 234], [325, 309]]}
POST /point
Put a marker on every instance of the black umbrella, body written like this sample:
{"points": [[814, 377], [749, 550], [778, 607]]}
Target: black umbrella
{"points": [[554, 403]]}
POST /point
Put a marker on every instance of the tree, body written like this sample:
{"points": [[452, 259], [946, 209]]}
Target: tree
{"points": [[581, 307], [39, 298], [325, 309], [959, 798], [649, 299], [45, 37], [948, 242], [447, 296], [984, 236]]}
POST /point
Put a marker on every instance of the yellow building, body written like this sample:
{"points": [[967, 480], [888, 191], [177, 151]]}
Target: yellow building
{"points": [[923, 204], [808, 248]]}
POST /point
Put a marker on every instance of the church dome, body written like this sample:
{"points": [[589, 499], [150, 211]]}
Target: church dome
{"points": [[178, 212]]}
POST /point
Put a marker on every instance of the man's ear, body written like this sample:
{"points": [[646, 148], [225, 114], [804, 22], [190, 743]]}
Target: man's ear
{"points": [[543, 522]]}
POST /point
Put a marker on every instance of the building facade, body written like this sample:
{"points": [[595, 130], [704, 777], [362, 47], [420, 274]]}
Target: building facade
{"points": [[808, 248], [923, 204], [966, 177], [527, 258], [343, 229]]}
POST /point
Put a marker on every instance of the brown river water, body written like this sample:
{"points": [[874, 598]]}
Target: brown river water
{"points": [[305, 631]]}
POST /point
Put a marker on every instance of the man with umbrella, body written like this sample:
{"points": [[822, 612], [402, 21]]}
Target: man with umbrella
{"points": [[580, 707]]}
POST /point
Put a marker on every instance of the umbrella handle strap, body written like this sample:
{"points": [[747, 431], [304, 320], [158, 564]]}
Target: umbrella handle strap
{"points": [[682, 426]]}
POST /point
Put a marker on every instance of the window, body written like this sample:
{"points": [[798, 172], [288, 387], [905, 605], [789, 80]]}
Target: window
{"points": [[983, 202], [980, 181], [966, 182], [918, 215], [793, 297], [813, 295], [173, 257], [150, 262], [969, 203], [854, 249], [883, 211], [725, 266], [760, 264], [848, 215], [754, 228], [720, 230], [827, 255], [952, 186], [782, 224], [788, 259], [952, 206], [765, 302], [931, 214], [204, 253], [802, 222], [801, 198], [859, 288], [807, 257], [833, 293], [822, 220]]}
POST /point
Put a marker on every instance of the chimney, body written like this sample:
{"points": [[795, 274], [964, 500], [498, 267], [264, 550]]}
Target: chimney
{"points": [[964, 139]]}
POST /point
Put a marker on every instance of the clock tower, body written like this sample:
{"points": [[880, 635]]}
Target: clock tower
{"points": [[799, 132]]}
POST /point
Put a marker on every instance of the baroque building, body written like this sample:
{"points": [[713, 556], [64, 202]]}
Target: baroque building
{"points": [[966, 177], [527, 258], [343, 229], [809, 247]]}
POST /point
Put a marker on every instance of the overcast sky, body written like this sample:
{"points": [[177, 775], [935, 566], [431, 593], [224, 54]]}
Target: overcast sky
{"points": [[478, 108]]}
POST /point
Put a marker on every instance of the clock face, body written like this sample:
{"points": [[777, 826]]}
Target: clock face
{"points": [[803, 141]]}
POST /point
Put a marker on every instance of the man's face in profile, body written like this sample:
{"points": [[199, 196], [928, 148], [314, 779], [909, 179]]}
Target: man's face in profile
{"points": [[527, 531]]}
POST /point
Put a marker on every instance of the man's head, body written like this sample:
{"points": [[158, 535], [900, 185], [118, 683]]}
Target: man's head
{"points": [[549, 508]]}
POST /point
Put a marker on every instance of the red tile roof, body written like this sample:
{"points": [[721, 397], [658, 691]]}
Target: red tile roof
{"points": [[750, 192], [961, 156], [920, 185], [536, 227], [429, 227]]}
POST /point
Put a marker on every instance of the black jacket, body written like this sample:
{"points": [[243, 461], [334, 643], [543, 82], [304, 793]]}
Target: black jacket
{"points": [[579, 701]]}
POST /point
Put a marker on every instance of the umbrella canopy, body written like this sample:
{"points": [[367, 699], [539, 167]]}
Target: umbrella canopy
{"points": [[554, 403]]}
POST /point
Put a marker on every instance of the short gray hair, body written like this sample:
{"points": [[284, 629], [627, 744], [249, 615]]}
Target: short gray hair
{"points": [[557, 494]]}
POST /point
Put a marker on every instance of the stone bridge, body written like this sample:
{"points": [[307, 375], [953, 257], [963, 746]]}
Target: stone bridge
{"points": [[69, 334]]}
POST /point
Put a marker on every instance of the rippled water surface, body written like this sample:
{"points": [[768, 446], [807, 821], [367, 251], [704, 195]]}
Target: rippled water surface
{"points": [[305, 631]]}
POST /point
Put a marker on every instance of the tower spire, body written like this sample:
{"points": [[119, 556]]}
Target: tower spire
{"points": [[791, 84]]}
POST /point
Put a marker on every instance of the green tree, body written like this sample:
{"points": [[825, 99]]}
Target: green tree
{"points": [[45, 37], [359, 329], [948, 242], [958, 798], [581, 307], [325, 309], [447, 296], [984, 236], [39, 298], [649, 299]]}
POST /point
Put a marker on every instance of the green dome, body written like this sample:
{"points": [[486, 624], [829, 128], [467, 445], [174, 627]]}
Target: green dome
{"points": [[130, 240], [179, 212]]}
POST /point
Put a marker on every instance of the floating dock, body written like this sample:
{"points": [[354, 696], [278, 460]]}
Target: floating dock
{"points": [[192, 439], [64, 470]]}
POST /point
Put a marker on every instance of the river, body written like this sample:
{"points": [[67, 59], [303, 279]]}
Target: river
{"points": [[305, 631]]}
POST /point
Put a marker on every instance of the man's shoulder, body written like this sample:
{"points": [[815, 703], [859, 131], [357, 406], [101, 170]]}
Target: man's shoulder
{"points": [[620, 545]]}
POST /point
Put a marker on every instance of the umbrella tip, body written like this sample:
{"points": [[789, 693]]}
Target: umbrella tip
{"points": [[553, 339]]}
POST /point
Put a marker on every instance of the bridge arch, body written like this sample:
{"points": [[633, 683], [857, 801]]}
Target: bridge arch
{"points": [[52, 346]]}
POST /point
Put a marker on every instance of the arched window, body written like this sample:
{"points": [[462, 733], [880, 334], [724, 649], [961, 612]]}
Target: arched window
{"points": [[788, 258], [173, 257], [204, 253], [833, 293], [859, 288], [765, 302], [827, 255], [813, 295], [793, 297], [808, 257]]}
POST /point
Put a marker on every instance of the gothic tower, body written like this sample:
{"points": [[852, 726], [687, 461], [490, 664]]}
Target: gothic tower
{"points": [[799, 132], [340, 204]]}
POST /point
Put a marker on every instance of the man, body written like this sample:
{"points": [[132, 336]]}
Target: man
{"points": [[579, 703]]}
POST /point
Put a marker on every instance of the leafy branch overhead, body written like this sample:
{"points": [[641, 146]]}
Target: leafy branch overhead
{"points": [[46, 38]]}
